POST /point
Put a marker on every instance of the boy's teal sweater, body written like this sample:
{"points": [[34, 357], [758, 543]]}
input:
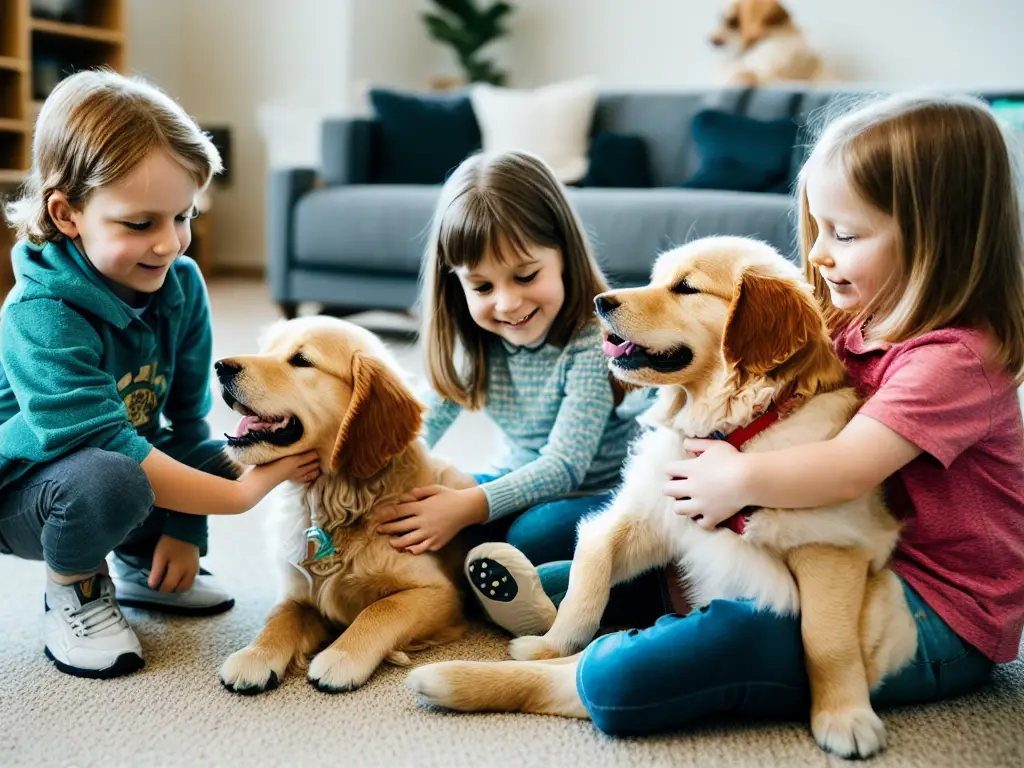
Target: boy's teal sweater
{"points": [[80, 368]]}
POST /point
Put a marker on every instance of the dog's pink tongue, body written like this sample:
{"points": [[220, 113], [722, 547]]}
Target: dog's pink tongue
{"points": [[246, 425], [625, 349]]}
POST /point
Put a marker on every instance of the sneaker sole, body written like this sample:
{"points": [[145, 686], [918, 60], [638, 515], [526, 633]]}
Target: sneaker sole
{"points": [[517, 601], [125, 664], [177, 610]]}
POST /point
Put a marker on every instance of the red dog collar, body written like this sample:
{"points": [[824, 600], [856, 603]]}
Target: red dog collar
{"points": [[739, 437]]}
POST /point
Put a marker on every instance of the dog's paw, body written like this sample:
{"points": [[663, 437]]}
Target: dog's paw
{"points": [[333, 671], [533, 648], [464, 686], [432, 682], [849, 733], [248, 672]]}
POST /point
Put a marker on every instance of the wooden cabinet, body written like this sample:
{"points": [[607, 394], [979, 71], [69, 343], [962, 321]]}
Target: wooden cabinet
{"points": [[6, 271], [15, 90], [35, 53]]}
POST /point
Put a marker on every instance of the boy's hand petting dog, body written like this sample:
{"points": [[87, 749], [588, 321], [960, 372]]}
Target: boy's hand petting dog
{"points": [[175, 565], [261, 480], [426, 519], [709, 489]]}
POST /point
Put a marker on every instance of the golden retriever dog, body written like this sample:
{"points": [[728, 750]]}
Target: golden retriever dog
{"points": [[766, 46], [727, 330], [327, 385]]}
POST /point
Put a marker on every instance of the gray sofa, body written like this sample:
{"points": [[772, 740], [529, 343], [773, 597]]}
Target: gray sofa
{"points": [[336, 237]]}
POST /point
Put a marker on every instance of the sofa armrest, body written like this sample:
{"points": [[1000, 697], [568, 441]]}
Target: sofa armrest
{"points": [[346, 151], [286, 186]]}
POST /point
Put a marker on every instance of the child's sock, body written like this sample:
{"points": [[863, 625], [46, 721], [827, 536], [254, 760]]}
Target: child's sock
{"points": [[509, 589]]}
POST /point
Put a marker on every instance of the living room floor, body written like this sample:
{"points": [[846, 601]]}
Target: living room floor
{"points": [[175, 712]]}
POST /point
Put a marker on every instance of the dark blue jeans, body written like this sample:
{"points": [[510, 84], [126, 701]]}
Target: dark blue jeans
{"points": [[728, 657], [545, 532], [74, 511]]}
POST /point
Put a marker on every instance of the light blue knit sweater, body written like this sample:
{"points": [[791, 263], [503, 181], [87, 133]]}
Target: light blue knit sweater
{"points": [[555, 406]]}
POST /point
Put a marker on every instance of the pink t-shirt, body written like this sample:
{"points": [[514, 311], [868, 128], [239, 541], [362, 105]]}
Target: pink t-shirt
{"points": [[961, 500]]}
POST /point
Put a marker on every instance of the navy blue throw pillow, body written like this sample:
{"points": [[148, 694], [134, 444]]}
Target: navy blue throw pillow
{"points": [[617, 160], [741, 153], [421, 137]]}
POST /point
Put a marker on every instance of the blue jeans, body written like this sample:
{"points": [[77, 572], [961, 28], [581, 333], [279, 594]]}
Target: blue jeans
{"points": [[729, 657], [545, 532]]}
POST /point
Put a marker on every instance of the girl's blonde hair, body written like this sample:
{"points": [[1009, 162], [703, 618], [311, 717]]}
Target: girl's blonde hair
{"points": [[943, 169], [490, 203], [94, 129]]}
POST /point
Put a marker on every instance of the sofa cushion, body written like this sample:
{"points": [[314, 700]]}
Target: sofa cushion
{"points": [[629, 227], [617, 160], [421, 137], [741, 153], [374, 228], [383, 228], [552, 122]]}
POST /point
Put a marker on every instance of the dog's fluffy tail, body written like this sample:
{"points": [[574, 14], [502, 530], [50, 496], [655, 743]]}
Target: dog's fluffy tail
{"points": [[537, 687]]}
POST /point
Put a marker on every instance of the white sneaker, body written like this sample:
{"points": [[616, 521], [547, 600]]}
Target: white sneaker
{"points": [[86, 634], [204, 598]]}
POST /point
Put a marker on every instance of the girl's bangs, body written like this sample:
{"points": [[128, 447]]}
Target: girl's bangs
{"points": [[471, 229]]}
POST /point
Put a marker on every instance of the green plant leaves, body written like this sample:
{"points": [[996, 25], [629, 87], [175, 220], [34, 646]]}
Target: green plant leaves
{"points": [[467, 29]]}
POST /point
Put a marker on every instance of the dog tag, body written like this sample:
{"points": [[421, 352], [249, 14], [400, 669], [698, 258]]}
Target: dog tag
{"points": [[318, 543]]}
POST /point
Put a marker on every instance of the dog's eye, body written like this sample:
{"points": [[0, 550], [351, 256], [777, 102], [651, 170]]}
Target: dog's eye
{"points": [[684, 288], [299, 360], [733, 22]]}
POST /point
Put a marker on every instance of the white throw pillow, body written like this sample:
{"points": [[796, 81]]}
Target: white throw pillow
{"points": [[552, 122]]}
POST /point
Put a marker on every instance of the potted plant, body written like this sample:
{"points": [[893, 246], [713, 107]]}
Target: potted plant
{"points": [[468, 29]]}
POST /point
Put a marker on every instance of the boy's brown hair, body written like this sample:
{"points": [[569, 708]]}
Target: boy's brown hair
{"points": [[94, 129]]}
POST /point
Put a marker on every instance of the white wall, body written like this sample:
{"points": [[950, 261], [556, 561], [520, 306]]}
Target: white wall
{"points": [[663, 43], [156, 43], [225, 60], [270, 67]]}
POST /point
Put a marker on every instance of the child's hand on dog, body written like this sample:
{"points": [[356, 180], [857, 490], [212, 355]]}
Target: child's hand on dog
{"points": [[261, 480], [708, 488], [426, 519]]}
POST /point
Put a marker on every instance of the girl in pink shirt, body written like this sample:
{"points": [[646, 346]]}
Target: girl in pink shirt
{"points": [[910, 232]]}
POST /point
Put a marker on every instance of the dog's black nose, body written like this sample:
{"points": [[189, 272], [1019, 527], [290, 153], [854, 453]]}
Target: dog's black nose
{"points": [[605, 304], [226, 371]]}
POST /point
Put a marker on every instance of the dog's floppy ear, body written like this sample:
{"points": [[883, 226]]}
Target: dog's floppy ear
{"points": [[382, 419], [756, 16], [771, 319]]}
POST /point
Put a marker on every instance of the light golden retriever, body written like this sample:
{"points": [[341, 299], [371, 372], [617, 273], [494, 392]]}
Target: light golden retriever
{"points": [[726, 328], [767, 47], [324, 384]]}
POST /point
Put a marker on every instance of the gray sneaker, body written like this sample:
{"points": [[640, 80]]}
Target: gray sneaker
{"points": [[204, 598], [86, 634]]}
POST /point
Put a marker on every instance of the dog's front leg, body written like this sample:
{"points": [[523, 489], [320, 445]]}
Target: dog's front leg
{"points": [[832, 581], [292, 632], [382, 628], [613, 547]]}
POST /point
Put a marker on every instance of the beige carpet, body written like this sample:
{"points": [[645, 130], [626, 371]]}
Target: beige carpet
{"points": [[175, 713]]}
